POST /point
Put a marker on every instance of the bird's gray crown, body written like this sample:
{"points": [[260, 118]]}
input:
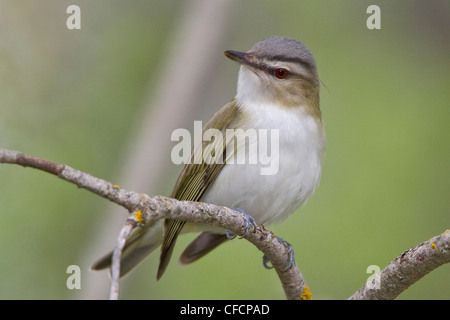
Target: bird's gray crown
{"points": [[284, 49]]}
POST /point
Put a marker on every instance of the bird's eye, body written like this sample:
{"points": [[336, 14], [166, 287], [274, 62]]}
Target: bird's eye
{"points": [[281, 73]]}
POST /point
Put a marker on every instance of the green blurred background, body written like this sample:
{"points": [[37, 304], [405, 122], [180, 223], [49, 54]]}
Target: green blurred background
{"points": [[93, 98]]}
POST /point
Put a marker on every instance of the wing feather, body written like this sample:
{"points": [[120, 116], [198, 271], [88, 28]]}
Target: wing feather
{"points": [[195, 179]]}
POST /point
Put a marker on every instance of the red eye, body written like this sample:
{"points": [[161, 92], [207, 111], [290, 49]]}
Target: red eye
{"points": [[281, 73]]}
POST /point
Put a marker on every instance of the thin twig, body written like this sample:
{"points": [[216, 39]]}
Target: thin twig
{"points": [[129, 225]]}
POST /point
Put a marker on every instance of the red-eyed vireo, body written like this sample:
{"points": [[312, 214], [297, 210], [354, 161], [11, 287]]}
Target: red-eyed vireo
{"points": [[277, 91]]}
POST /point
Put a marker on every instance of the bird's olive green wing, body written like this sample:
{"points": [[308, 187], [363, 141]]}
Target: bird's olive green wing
{"points": [[196, 178]]}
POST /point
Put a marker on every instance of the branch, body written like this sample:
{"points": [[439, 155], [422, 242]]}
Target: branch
{"points": [[402, 272], [407, 268], [159, 207]]}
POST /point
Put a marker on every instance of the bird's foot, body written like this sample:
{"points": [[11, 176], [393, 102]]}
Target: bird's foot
{"points": [[248, 221], [291, 259]]}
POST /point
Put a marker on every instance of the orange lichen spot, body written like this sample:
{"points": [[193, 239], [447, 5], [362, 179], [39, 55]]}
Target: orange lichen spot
{"points": [[433, 245], [116, 186], [306, 294], [139, 216]]}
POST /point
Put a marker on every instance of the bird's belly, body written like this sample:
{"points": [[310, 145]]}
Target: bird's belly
{"points": [[268, 198]]}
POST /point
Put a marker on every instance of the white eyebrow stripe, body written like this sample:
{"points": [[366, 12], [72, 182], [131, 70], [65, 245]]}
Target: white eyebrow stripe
{"points": [[292, 67]]}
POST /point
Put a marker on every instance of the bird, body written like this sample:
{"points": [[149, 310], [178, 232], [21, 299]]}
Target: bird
{"points": [[278, 92]]}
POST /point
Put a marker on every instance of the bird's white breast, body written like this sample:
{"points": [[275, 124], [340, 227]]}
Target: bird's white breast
{"points": [[272, 198]]}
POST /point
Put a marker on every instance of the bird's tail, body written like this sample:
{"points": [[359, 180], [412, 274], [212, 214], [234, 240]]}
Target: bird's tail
{"points": [[140, 244]]}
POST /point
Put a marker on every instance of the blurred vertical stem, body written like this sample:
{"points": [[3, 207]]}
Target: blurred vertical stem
{"points": [[197, 37]]}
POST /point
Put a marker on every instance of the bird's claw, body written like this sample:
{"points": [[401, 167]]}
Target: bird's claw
{"points": [[291, 259], [230, 236], [248, 221], [265, 261]]}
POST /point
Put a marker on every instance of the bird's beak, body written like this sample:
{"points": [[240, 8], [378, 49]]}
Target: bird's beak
{"points": [[236, 55], [241, 57]]}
